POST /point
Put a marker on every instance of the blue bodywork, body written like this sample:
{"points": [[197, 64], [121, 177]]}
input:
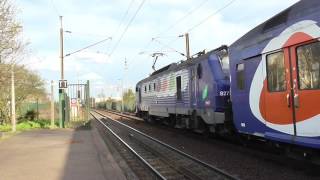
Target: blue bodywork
{"points": [[204, 88], [248, 50]]}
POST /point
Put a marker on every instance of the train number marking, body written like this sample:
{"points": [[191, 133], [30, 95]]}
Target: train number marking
{"points": [[224, 93]]}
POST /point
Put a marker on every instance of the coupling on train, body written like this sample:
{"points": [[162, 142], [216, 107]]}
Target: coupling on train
{"points": [[264, 85]]}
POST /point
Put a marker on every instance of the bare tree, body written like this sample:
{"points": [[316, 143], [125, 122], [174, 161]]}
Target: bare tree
{"points": [[11, 43], [12, 49]]}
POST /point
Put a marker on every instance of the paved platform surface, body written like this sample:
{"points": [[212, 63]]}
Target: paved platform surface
{"points": [[57, 155]]}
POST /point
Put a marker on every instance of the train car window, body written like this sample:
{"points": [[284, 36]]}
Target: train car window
{"points": [[308, 60], [240, 76], [179, 94], [276, 72], [199, 71]]}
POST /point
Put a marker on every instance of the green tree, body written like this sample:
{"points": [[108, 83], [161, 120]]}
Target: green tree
{"points": [[129, 100], [28, 86]]}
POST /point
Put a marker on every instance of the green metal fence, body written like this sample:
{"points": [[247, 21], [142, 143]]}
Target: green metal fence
{"points": [[77, 103]]}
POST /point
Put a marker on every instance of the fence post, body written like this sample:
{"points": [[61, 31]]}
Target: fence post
{"points": [[37, 109], [67, 99], [52, 106], [87, 100], [62, 108]]}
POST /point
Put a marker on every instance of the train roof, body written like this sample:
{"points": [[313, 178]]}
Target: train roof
{"points": [[177, 66], [253, 42]]}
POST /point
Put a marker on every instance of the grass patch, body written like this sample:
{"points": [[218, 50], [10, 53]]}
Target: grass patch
{"points": [[25, 125], [78, 125], [5, 127]]}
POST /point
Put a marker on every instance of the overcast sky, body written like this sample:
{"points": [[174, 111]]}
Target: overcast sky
{"points": [[95, 20]]}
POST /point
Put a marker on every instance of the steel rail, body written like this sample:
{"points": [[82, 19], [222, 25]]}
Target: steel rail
{"points": [[174, 149], [129, 147], [124, 115]]}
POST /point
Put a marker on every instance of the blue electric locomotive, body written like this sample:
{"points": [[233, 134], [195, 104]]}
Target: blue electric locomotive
{"points": [[192, 94]]}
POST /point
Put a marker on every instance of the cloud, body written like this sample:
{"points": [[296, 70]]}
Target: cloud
{"points": [[92, 76], [92, 57]]}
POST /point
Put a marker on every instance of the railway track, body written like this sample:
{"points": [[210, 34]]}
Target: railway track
{"points": [[124, 114], [160, 161]]}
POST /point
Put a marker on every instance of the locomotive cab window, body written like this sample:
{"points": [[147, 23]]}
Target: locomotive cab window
{"points": [[240, 76], [199, 71], [308, 60], [179, 93], [276, 72]]}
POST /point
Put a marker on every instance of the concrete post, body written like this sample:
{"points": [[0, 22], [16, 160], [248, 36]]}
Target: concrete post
{"points": [[52, 106]]}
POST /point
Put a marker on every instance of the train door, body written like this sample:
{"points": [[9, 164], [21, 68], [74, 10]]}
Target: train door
{"points": [[292, 89], [276, 89], [305, 60], [193, 84]]}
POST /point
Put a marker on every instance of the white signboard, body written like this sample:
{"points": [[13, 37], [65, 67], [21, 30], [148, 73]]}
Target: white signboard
{"points": [[63, 84]]}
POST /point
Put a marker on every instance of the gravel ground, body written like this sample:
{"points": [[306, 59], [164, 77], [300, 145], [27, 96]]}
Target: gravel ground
{"points": [[235, 159]]}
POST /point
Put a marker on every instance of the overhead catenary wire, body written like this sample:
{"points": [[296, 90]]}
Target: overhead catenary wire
{"points": [[208, 17], [88, 46], [165, 45], [55, 8], [202, 21], [126, 28], [177, 22], [184, 17], [123, 17], [190, 29], [171, 42], [173, 25], [122, 20]]}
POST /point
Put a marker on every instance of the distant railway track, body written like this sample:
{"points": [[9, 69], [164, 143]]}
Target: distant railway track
{"points": [[124, 114], [160, 159]]}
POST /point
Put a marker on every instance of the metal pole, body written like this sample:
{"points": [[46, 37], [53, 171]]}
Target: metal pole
{"points": [[61, 91], [187, 45], [52, 106], [87, 99], [61, 48], [13, 101]]}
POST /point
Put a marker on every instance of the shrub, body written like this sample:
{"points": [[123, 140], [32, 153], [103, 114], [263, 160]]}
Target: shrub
{"points": [[30, 115]]}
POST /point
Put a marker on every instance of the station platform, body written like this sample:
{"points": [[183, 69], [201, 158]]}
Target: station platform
{"points": [[61, 154]]}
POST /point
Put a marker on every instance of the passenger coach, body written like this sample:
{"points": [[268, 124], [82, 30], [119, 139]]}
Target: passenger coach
{"points": [[275, 77]]}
